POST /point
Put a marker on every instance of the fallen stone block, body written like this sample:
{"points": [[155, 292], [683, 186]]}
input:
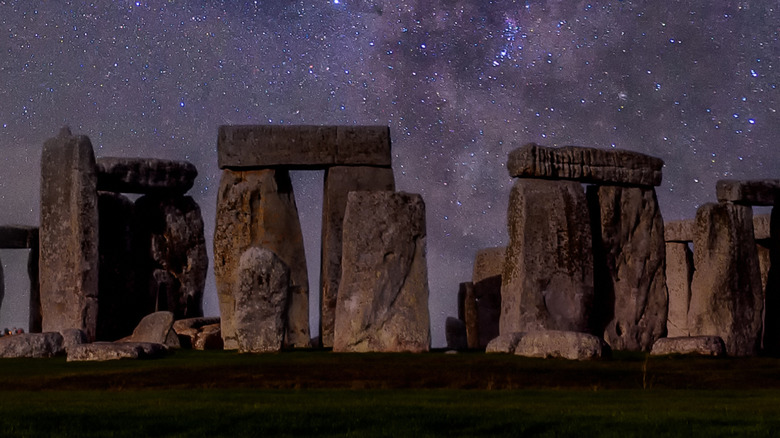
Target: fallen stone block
{"points": [[155, 328], [253, 146], [145, 175], [18, 236], [700, 345], [383, 297], [261, 298], [561, 344], [504, 343], [752, 192], [102, 351], [71, 337], [35, 345], [589, 165], [208, 338], [194, 323]]}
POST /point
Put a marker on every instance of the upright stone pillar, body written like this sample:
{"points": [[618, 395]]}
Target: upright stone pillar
{"points": [[629, 250], [339, 181], [771, 341], [679, 274], [547, 282], [33, 260], [470, 314], [726, 295], [383, 294], [257, 208], [69, 235], [486, 277]]}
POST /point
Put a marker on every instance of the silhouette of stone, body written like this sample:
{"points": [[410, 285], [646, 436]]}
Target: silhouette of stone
{"points": [[679, 231], [145, 175], [154, 328], [504, 343], [383, 294], [455, 333], [261, 298], [339, 181], [679, 274], [35, 345], [583, 164], [726, 295], [257, 208], [561, 344], [102, 351], [470, 314], [35, 318], [629, 254], [488, 266], [253, 146], [547, 282], [753, 192], [172, 262], [18, 236], [69, 235], [118, 298], [699, 345], [770, 271]]}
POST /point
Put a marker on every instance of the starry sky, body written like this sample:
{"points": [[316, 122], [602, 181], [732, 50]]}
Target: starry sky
{"points": [[460, 83]]}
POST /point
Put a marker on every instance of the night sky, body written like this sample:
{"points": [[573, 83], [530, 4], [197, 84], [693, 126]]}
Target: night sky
{"points": [[460, 83]]}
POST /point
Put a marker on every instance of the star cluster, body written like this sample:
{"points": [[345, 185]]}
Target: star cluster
{"points": [[459, 82]]}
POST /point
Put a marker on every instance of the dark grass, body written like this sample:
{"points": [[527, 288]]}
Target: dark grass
{"points": [[309, 393]]}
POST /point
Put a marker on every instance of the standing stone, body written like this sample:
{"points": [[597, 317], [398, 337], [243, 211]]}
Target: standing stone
{"points": [[261, 298], [679, 274], [470, 314], [771, 339], [548, 273], [257, 208], [629, 254], [455, 333], [69, 235], [383, 294], [339, 181], [35, 318], [488, 265], [172, 259], [726, 295], [116, 280]]}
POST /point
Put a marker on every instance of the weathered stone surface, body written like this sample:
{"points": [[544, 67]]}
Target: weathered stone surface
{"points": [[504, 343], [119, 301], [679, 274], [153, 328], [71, 337], [470, 314], [590, 165], [455, 333], [753, 192], [145, 175], [761, 226], [257, 208], [196, 323], [764, 255], [339, 181], [261, 298], [700, 345], [561, 344], [69, 234], [18, 236], [208, 338], [629, 255], [547, 282], [191, 329], [31, 345], [102, 351], [383, 294], [726, 295], [242, 146], [679, 231], [488, 263]]}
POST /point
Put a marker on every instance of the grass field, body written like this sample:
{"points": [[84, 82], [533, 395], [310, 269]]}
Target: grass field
{"points": [[193, 393]]}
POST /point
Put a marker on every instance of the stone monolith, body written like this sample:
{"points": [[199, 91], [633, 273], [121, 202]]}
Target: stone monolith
{"points": [[679, 274], [69, 235], [486, 278], [629, 254], [339, 181], [383, 294], [257, 208], [726, 295], [547, 282]]}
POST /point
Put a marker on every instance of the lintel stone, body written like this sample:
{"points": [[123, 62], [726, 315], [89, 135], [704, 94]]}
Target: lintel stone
{"points": [[304, 147], [752, 192]]}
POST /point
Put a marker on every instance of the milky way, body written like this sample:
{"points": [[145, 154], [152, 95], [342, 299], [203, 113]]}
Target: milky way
{"points": [[459, 82]]}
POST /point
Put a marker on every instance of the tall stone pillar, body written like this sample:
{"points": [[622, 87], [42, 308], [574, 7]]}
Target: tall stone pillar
{"points": [[339, 181], [726, 295], [257, 208], [679, 273], [69, 235]]}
